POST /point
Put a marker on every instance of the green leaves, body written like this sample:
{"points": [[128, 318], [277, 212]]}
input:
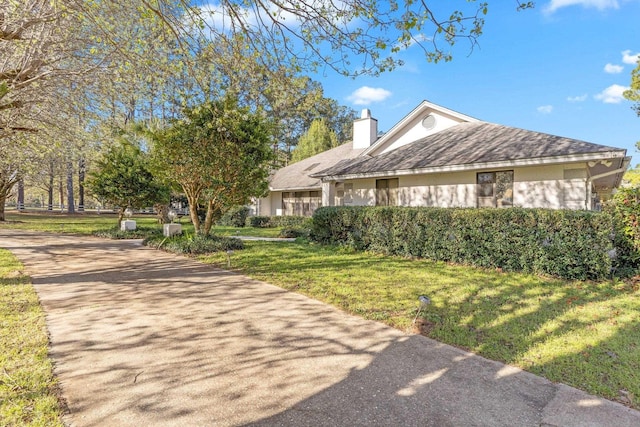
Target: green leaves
{"points": [[219, 154], [123, 178], [318, 138], [568, 244]]}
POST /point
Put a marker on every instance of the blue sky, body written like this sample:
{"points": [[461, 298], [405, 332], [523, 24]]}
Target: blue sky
{"points": [[559, 68]]}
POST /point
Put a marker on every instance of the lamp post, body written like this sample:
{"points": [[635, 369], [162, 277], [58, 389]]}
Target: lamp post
{"points": [[128, 224], [424, 302]]}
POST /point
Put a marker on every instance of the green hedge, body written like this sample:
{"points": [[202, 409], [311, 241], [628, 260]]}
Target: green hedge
{"points": [[563, 243], [279, 221], [235, 217]]}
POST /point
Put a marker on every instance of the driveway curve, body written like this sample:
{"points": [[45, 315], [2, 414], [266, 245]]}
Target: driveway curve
{"points": [[142, 337]]}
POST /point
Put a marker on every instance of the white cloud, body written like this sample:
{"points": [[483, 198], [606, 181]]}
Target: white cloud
{"points": [[613, 69], [612, 94], [367, 95], [554, 5], [417, 39], [545, 109], [579, 98], [630, 58]]}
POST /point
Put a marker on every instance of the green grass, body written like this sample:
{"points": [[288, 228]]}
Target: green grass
{"points": [[90, 223], [584, 334], [27, 386]]}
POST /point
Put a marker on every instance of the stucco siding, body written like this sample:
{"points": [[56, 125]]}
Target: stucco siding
{"points": [[546, 187], [441, 190], [362, 193], [533, 187]]}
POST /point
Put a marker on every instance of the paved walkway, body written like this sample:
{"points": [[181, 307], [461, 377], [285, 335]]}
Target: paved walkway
{"points": [[140, 337]]}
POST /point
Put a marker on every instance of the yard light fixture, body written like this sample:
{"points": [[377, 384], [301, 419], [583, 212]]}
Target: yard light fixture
{"points": [[172, 215], [424, 302]]}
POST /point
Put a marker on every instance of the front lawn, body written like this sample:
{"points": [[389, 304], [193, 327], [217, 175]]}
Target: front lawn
{"points": [[91, 223], [27, 386]]}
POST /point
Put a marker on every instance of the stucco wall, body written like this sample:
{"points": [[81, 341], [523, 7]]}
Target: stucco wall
{"points": [[450, 190], [554, 187]]}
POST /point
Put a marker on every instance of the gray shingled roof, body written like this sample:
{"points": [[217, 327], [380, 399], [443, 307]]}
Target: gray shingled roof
{"points": [[296, 176], [464, 144]]}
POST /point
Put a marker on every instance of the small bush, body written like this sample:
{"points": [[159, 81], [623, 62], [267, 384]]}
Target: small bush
{"points": [[259, 221], [280, 221], [235, 217], [293, 233], [563, 243], [139, 233], [194, 244]]}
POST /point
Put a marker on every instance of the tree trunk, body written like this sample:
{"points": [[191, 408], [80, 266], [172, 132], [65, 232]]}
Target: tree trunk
{"points": [[81, 173], [71, 206], [6, 185], [193, 211], [3, 200], [20, 205], [213, 215], [61, 193], [50, 189]]}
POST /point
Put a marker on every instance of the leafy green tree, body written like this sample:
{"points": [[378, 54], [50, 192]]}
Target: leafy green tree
{"points": [[123, 177], [318, 138], [632, 177], [218, 155], [633, 93]]}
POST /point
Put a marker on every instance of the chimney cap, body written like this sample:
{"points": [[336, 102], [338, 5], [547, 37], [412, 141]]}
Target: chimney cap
{"points": [[366, 114]]}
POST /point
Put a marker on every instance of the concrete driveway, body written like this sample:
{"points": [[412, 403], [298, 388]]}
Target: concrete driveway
{"points": [[140, 337]]}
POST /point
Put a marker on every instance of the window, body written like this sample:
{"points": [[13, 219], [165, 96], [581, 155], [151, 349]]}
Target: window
{"points": [[302, 203], [387, 192], [495, 189]]}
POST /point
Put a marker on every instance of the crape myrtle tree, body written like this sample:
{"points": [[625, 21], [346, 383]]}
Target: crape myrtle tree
{"points": [[123, 178], [218, 155]]}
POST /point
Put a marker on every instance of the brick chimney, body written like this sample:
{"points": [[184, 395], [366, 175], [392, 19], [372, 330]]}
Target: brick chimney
{"points": [[365, 130]]}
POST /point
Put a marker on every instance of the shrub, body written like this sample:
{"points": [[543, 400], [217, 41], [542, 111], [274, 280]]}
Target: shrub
{"points": [[138, 233], [293, 233], [259, 221], [279, 221], [235, 217], [625, 210], [564, 243], [194, 244]]}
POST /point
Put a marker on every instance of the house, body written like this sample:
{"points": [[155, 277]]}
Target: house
{"points": [[438, 157]]}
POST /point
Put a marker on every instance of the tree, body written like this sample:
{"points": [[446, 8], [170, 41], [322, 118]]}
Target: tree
{"points": [[332, 34], [123, 177], [318, 138], [633, 93], [218, 155]]}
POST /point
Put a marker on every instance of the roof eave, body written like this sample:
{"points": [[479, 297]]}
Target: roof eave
{"points": [[574, 158]]}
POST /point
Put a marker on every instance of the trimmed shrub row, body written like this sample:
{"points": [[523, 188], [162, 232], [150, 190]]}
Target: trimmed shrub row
{"points": [[568, 244], [279, 221]]}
